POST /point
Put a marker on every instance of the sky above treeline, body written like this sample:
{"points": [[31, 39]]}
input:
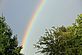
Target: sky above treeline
{"points": [[53, 13]]}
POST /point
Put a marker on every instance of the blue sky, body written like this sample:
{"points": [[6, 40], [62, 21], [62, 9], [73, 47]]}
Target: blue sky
{"points": [[54, 13]]}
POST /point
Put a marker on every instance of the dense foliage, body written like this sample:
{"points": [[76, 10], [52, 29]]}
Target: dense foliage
{"points": [[8, 44], [62, 40]]}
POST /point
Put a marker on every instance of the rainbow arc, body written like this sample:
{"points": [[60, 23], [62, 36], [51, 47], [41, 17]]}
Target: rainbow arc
{"points": [[31, 22]]}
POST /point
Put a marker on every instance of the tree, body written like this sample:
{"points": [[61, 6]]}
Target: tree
{"points": [[62, 40], [8, 44]]}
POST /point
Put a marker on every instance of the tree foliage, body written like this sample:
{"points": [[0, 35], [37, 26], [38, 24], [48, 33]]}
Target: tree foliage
{"points": [[8, 44], [62, 40]]}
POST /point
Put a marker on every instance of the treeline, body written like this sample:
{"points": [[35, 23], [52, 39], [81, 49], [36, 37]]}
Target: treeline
{"points": [[56, 41]]}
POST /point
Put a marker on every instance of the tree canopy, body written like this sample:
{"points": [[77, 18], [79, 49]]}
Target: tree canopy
{"points": [[8, 43], [62, 40]]}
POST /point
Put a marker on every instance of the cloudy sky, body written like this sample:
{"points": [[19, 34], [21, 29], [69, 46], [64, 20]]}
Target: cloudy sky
{"points": [[53, 13]]}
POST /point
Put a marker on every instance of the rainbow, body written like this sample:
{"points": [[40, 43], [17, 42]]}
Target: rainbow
{"points": [[31, 22]]}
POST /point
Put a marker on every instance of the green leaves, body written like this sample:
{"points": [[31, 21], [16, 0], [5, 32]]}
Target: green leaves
{"points": [[8, 45], [62, 40]]}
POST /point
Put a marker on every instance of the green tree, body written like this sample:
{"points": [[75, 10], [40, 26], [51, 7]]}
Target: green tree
{"points": [[62, 40], [8, 44]]}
